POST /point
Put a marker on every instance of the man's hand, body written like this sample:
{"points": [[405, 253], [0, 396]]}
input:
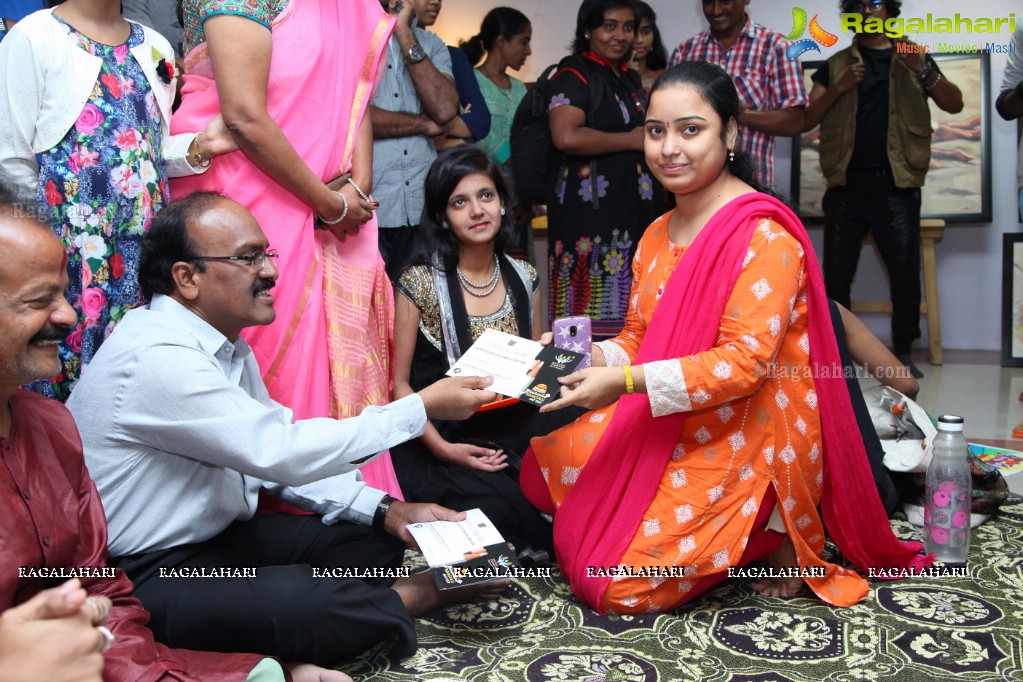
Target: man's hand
{"points": [[851, 78], [403, 513], [52, 637], [456, 397], [914, 60], [307, 672]]}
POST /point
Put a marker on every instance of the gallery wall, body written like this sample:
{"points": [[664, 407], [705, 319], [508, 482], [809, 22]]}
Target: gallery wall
{"points": [[970, 256]]}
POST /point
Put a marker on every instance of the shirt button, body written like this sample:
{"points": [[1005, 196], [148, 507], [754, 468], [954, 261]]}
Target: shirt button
{"points": [[405, 152], [46, 542], [395, 94], [411, 429], [406, 183], [26, 494]]}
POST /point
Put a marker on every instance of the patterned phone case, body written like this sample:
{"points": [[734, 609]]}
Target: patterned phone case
{"points": [[574, 333]]}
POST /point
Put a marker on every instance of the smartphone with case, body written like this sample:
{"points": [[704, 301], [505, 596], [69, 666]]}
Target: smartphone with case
{"points": [[574, 333]]}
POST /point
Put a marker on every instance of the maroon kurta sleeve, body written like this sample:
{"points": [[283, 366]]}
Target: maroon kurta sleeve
{"points": [[62, 511]]}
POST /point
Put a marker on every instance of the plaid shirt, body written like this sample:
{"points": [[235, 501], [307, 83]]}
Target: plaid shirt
{"points": [[765, 78]]}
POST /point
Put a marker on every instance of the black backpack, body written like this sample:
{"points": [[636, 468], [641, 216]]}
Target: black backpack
{"points": [[532, 152]]}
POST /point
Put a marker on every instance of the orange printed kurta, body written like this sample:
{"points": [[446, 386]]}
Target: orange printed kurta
{"points": [[753, 422]]}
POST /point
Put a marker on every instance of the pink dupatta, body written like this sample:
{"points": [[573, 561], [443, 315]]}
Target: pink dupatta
{"points": [[328, 352], [600, 515]]}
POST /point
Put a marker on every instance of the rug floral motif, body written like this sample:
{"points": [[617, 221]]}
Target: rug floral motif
{"points": [[912, 630]]}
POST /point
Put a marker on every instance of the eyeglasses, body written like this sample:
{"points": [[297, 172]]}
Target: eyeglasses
{"points": [[254, 260], [873, 6]]}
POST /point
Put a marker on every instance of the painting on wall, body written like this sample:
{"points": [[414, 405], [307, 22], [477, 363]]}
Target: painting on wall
{"points": [[958, 185]]}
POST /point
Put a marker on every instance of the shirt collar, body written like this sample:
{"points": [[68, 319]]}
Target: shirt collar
{"points": [[749, 30], [210, 340]]}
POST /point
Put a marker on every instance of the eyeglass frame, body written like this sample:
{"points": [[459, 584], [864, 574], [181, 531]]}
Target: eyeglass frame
{"points": [[873, 5], [249, 258]]}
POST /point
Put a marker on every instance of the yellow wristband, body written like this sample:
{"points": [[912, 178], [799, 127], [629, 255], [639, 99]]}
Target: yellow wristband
{"points": [[630, 387]]}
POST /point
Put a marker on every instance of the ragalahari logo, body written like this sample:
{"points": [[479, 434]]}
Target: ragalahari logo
{"points": [[817, 35]]}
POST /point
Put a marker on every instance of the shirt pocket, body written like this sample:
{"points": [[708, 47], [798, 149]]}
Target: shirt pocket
{"points": [[752, 88]]}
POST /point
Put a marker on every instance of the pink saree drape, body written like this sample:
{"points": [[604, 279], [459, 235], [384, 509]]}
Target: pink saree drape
{"points": [[329, 351]]}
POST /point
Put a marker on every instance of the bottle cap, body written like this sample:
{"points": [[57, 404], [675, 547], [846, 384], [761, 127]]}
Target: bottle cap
{"points": [[950, 422]]}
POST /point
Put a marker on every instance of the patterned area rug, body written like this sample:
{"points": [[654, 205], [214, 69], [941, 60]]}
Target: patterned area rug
{"points": [[919, 629]]}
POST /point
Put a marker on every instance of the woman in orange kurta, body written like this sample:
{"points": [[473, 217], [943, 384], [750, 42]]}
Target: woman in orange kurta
{"points": [[716, 424]]}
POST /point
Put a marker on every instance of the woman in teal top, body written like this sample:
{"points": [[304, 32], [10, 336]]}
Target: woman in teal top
{"points": [[504, 37]]}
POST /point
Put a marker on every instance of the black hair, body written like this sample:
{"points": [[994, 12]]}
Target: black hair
{"points": [[591, 15], [500, 22], [449, 169], [657, 57], [894, 6], [716, 87], [168, 242], [19, 204]]}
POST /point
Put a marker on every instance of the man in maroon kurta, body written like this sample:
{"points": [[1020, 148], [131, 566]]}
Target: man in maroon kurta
{"points": [[54, 528]]}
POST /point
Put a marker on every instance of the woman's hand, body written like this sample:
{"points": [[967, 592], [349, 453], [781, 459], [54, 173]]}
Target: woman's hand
{"points": [[216, 139], [591, 388], [473, 457], [359, 213], [546, 338]]}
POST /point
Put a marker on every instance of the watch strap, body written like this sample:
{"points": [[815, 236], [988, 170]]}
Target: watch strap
{"points": [[380, 514]]}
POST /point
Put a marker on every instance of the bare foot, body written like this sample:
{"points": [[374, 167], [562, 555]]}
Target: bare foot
{"points": [[420, 595], [307, 672], [785, 587]]}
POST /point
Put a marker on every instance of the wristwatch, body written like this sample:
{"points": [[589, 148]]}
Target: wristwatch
{"points": [[415, 54], [380, 514]]}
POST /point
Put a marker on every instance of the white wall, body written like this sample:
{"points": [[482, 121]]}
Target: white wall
{"points": [[970, 256]]}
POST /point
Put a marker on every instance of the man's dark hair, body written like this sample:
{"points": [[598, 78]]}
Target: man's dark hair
{"points": [[15, 203], [894, 6], [168, 242]]}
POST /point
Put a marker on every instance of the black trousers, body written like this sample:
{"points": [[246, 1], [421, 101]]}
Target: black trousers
{"points": [[284, 611], [870, 201], [399, 246]]}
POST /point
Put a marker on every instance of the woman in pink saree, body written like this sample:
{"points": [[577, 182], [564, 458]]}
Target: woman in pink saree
{"points": [[293, 79]]}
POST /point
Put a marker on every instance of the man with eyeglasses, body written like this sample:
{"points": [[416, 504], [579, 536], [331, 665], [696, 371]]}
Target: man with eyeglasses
{"points": [[870, 100], [181, 435], [769, 85]]}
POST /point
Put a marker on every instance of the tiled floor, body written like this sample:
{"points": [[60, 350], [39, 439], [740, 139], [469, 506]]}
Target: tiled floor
{"points": [[974, 386]]}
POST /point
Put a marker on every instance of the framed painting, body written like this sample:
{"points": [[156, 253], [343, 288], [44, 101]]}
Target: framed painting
{"points": [[958, 185], [1012, 299]]}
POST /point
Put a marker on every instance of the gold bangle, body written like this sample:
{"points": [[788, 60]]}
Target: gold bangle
{"points": [[630, 387], [197, 160]]}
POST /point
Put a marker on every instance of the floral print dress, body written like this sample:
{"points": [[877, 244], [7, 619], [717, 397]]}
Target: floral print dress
{"points": [[600, 205], [99, 189]]}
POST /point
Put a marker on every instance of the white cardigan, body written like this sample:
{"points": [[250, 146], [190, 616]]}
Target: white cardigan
{"points": [[45, 81]]}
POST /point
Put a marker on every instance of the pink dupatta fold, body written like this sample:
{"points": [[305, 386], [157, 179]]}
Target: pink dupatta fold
{"points": [[324, 68], [600, 515]]}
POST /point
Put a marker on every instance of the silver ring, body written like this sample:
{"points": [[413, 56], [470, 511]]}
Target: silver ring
{"points": [[108, 638]]}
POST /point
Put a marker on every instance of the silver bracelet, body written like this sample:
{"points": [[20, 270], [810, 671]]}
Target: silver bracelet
{"points": [[358, 189], [932, 85], [344, 213]]}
